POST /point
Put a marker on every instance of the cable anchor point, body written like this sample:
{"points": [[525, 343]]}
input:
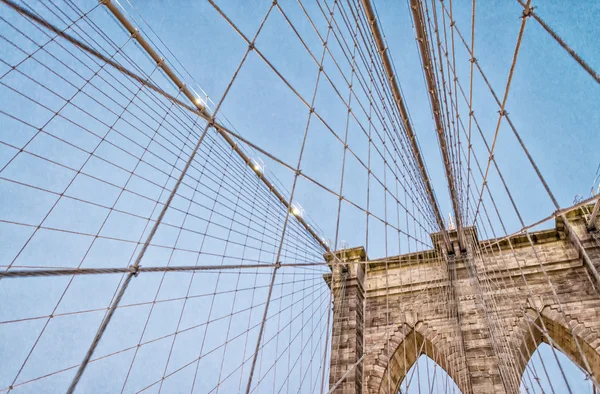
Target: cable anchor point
{"points": [[135, 270], [527, 12]]}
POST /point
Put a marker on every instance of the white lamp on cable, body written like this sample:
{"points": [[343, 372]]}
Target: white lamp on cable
{"points": [[297, 210], [258, 166]]}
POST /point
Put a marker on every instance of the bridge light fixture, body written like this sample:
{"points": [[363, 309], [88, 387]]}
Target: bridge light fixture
{"points": [[198, 97], [297, 210], [257, 165]]}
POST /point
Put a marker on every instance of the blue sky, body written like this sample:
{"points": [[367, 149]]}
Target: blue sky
{"points": [[552, 102]]}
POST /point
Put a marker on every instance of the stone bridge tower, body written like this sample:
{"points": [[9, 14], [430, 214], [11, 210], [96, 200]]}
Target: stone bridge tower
{"points": [[479, 313]]}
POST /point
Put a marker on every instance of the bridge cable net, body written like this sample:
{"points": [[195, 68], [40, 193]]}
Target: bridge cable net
{"points": [[148, 242], [436, 26], [154, 246]]}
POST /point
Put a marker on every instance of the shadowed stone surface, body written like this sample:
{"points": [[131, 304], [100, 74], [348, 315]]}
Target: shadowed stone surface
{"points": [[479, 313]]}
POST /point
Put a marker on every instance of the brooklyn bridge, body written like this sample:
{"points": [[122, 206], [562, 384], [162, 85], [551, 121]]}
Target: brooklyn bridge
{"points": [[309, 196]]}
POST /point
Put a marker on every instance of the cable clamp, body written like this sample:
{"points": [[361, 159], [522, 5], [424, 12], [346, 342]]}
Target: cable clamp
{"points": [[527, 12], [135, 270], [251, 46], [473, 60]]}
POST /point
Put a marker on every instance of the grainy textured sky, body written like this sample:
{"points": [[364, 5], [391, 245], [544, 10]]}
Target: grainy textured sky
{"points": [[552, 102]]}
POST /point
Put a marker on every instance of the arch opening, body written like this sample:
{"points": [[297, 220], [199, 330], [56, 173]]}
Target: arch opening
{"points": [[413, 356], [557, 358], [427, 376], [547, 373]]}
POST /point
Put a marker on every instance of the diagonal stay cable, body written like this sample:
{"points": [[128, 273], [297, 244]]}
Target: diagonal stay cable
{"points": [[502, 111], [194, 109], [400, 103], [561, 42]]}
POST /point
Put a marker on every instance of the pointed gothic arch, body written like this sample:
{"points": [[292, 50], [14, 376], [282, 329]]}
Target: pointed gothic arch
{"points": [[408, 344], [559, 328]]}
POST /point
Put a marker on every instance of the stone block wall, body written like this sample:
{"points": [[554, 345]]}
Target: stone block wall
{"points": [[479, 313]]}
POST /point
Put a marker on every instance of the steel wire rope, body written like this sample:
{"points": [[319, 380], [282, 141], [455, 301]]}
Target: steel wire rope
{"points": [[159, 287], [347, 104], [578, 345], [395, 108], [150, 235], [529, 325], [233, 306], [512, 280], [451, 100], [413, 205], [530, 11], [95, 53], [482, 174], [154, 88], [456, 318], [364, 61], [293, 186], [166, 300], [475, 157], [502, 111], [223, 344], [131, 347], [65, 288], [463, 94]]}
